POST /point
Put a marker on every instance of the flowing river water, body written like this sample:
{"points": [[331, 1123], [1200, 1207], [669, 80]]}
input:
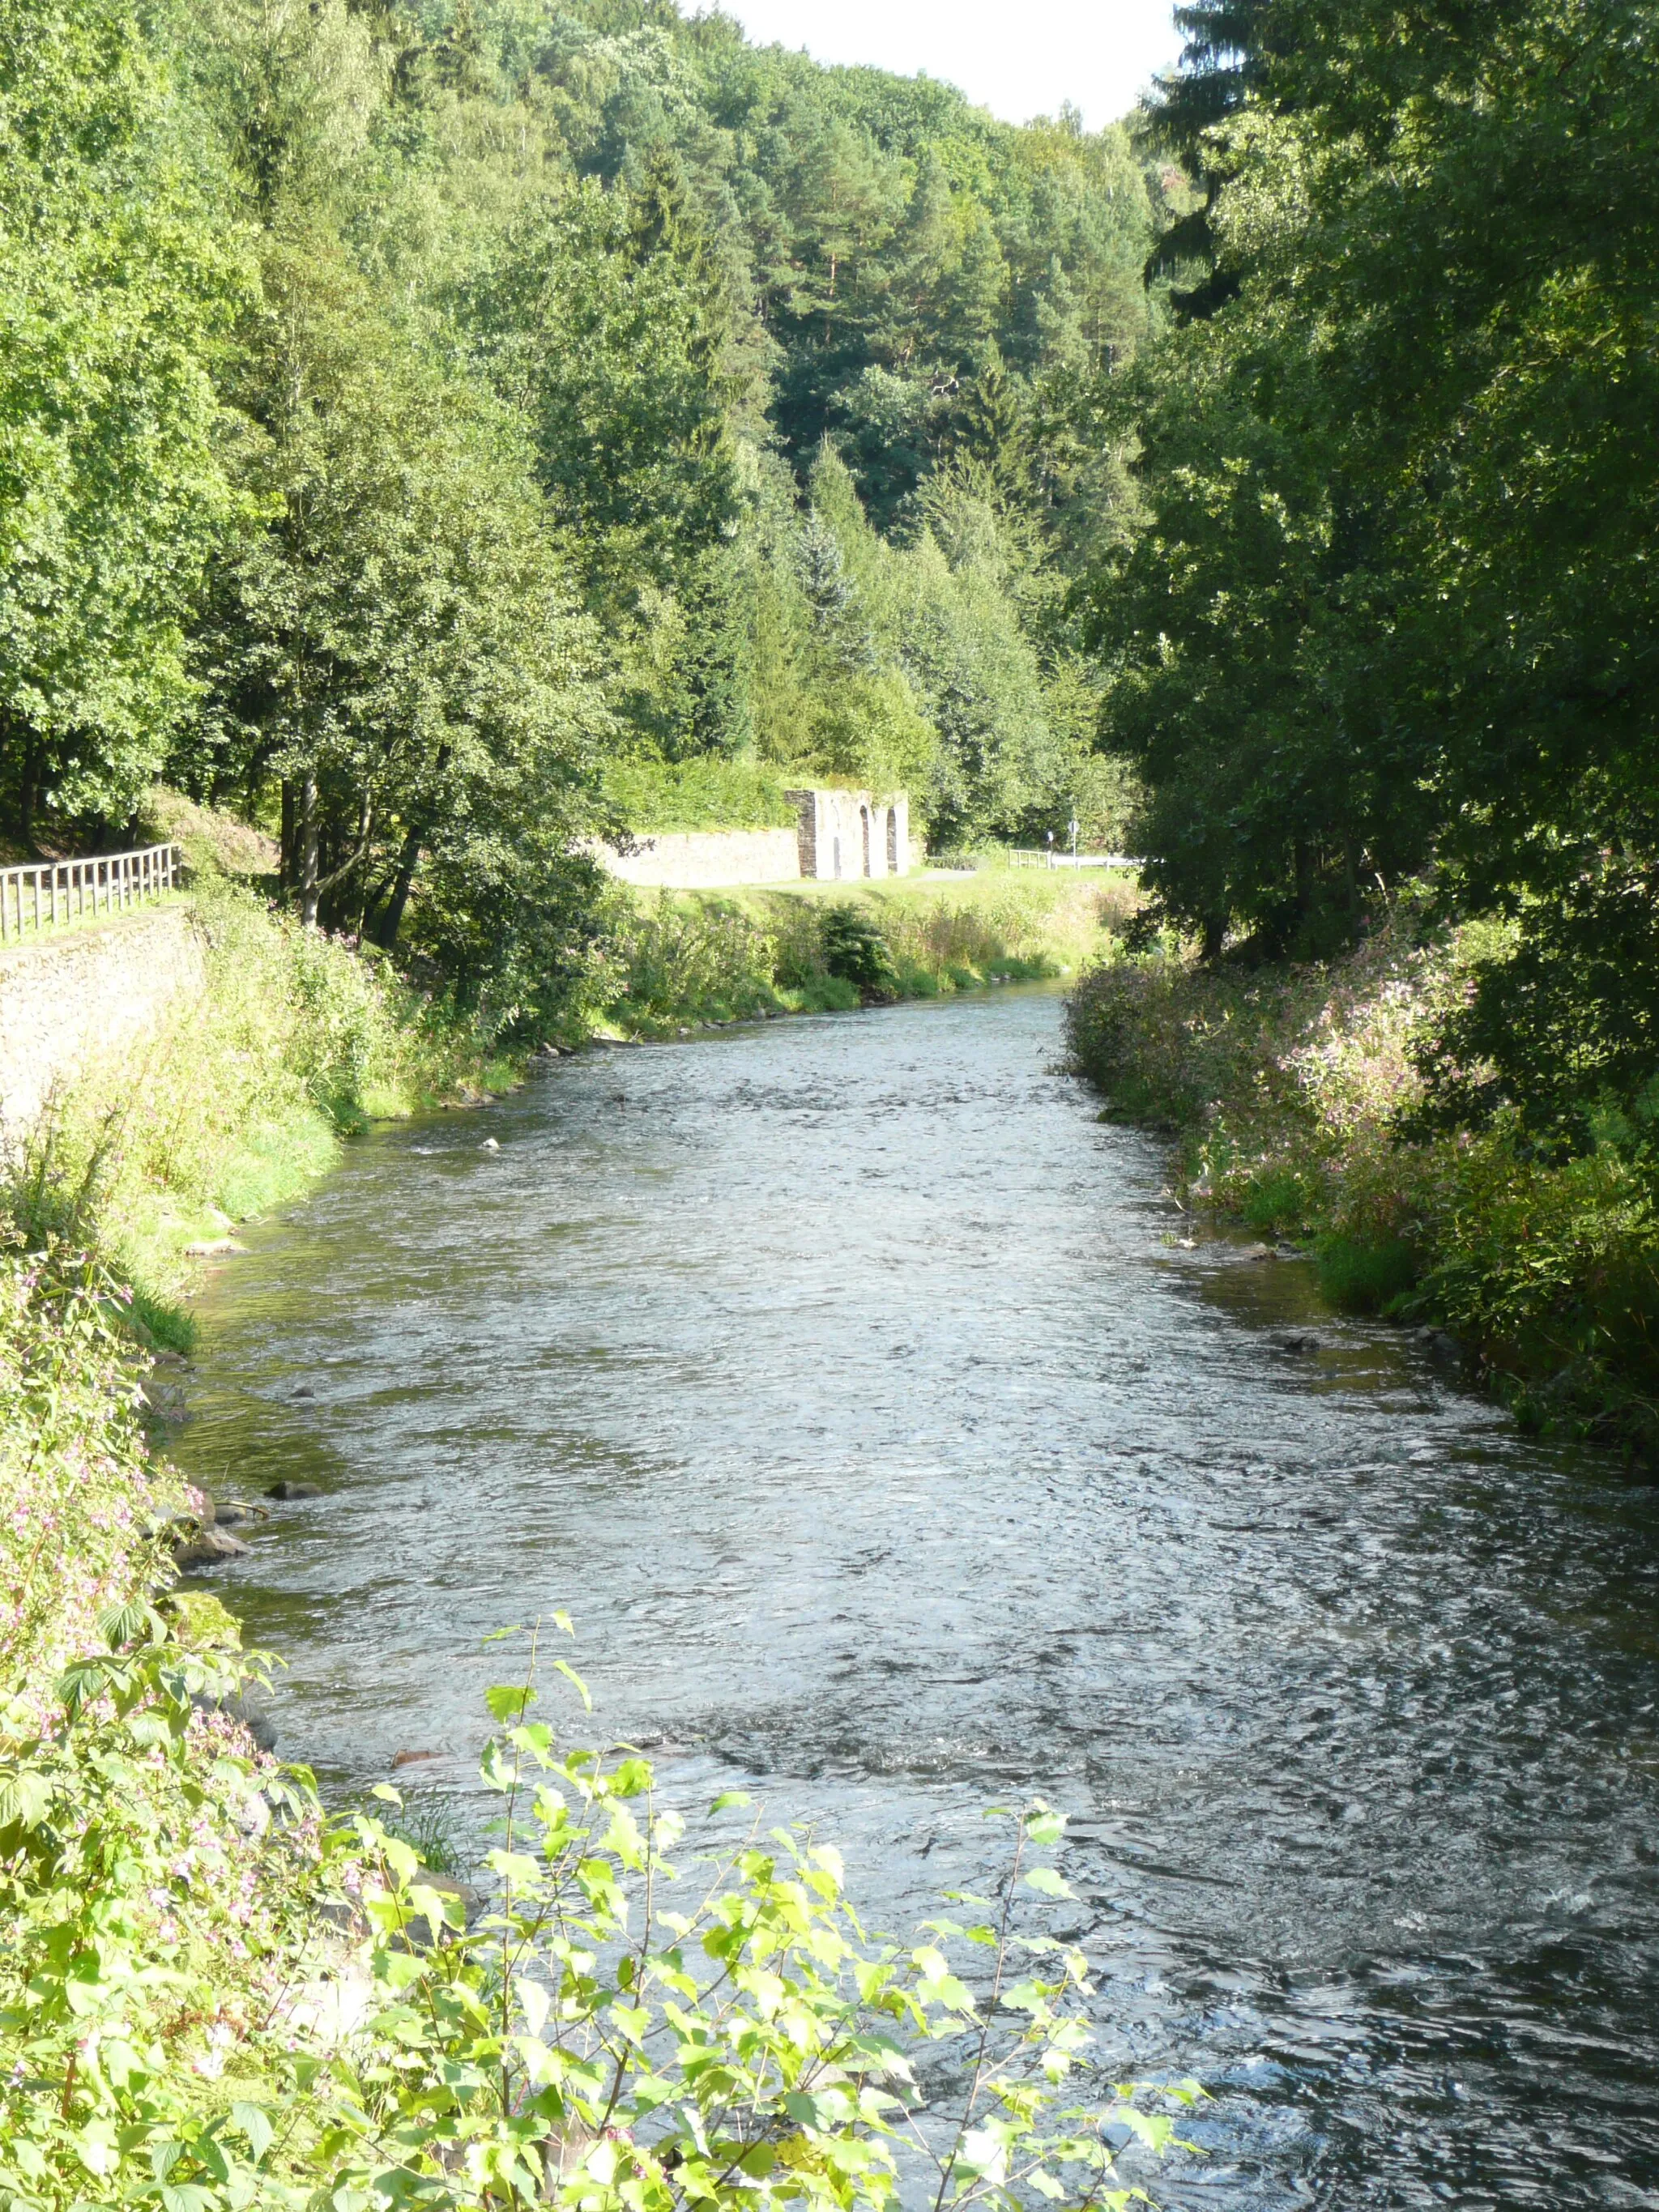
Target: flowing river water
{"points": [[853, 1388]]}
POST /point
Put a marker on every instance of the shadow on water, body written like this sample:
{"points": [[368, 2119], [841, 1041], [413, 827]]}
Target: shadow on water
{"points": [[849, 1383]]}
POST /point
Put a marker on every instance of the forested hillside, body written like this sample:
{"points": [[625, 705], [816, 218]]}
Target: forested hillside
{"points": [[429, 428]]}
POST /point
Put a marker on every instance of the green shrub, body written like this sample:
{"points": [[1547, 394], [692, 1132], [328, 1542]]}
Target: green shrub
{"points": [[856, 950], [81, 1503], [186, 2033], [1279, 1199], [706, 793]]}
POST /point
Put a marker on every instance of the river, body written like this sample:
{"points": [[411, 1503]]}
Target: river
{"points": [[898, 1447]]}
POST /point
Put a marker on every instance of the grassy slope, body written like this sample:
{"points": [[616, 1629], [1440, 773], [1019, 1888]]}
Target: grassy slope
{"points": [[295, 1043], [690, 956]]}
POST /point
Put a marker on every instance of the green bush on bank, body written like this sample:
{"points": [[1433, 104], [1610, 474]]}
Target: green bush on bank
{"points": [[1295, 1093], [707, 792], [80, 1501]]}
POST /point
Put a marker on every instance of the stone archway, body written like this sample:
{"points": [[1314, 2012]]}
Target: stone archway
{"points": [[864, 825]]}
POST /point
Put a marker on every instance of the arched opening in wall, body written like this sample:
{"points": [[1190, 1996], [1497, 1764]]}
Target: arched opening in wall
{"points": [[863, 824], [892, 840], [838, 859]]}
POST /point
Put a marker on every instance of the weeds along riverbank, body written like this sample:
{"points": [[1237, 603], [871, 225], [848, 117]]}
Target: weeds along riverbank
{"points": [[1297, 1099], [239, 1101]]}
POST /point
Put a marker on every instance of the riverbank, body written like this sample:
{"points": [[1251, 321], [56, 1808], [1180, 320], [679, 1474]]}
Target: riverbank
{"points": [[294, 1041], [1290, 1092], [682, 959], [151, 1156]]}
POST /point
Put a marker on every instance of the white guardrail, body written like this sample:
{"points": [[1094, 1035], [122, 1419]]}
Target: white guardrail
{"points": [[1022, 856], [46, 896]]}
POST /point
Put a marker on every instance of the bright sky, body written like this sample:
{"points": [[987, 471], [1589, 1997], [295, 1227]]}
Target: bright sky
{"points": [[1017, 58]]}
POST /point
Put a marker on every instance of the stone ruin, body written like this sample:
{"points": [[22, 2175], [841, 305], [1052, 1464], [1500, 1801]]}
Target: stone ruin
{"points": [[844, 835]]}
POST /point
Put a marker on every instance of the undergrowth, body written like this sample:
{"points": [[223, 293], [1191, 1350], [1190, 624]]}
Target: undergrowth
{"points": [[1294, 1093], [683, 956], [706, 793]]}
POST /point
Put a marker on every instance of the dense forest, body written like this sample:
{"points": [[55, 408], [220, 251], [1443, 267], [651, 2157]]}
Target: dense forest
{"points": [[438, 432]]}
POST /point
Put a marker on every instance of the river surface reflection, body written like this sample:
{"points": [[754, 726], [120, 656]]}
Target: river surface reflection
{"points": [[845, 1381]]}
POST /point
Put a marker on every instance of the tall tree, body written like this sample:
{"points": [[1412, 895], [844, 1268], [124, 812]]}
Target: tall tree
{"points": [[120, 272]]}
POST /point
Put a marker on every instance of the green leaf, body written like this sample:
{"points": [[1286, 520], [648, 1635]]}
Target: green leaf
{"points": [[126, 1624], [509, 1701], [25, 1797], [189, 2197], [254, 2125], [571, 1675], [1047, 1883]]}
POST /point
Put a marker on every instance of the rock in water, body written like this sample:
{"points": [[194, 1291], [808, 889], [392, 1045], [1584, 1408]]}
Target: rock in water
{"points": [[489, 1146], [292, 1490], [207, 1548]]}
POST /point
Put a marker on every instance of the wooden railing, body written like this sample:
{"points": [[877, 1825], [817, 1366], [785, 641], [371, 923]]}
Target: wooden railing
{"points": [[58, 892]]}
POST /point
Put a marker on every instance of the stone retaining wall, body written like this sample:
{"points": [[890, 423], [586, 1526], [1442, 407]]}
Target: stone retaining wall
{"points": [[708, 859], [843, 835], [72, 1003]]}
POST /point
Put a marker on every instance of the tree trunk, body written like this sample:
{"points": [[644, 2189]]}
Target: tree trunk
{"points": [[308, 852], [28, 793], [285, 866], [390, 919], [1302, 861]]}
